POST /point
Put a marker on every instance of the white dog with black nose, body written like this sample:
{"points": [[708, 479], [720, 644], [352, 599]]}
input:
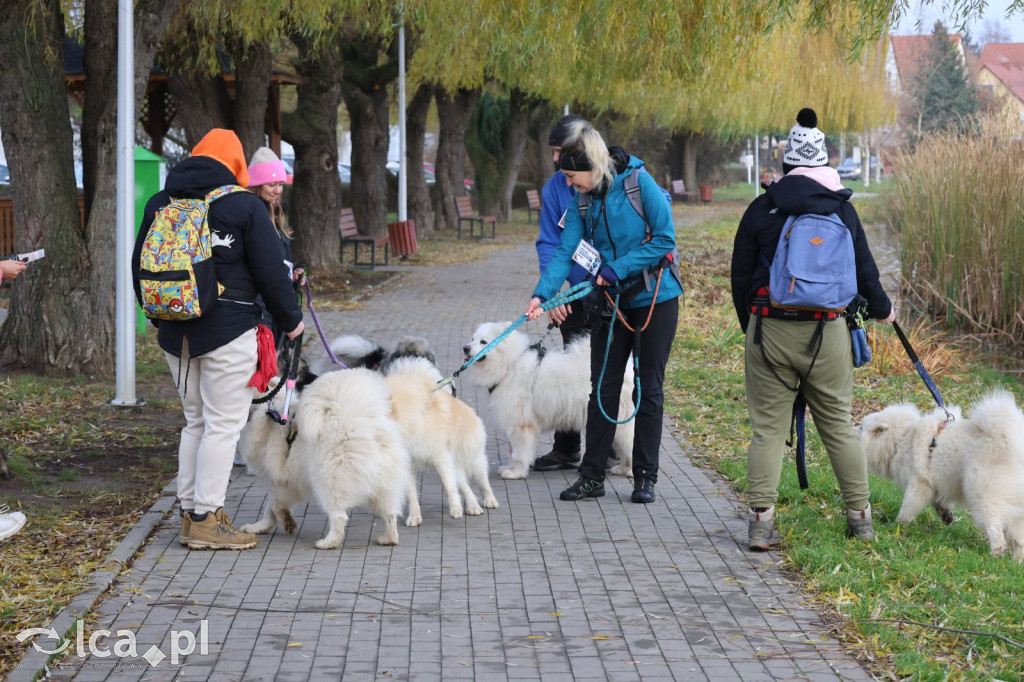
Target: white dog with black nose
{"points": [[534, 392], [975, 463]]}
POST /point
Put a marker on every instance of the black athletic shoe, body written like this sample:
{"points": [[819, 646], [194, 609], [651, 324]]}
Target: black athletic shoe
{"points": [[555, 460], [643, 490], [583, 487]]}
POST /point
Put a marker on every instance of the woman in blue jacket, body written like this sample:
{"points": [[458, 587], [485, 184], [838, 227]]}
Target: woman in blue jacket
{"points": [[623, 253]]}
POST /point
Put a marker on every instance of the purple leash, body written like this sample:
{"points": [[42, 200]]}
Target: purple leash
{"points": [[319, 328]]}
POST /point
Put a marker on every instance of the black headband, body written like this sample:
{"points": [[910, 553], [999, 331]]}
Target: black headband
{"points": [[574, 161], [561, 130]]}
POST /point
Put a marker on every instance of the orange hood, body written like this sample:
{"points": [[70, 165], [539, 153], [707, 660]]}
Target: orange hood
{"points": [[224, 146]]}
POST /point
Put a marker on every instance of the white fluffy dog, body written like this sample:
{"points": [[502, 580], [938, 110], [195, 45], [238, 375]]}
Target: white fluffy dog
{"points": [[532, 394], [346, 451], [441, 432], [975, 463]]}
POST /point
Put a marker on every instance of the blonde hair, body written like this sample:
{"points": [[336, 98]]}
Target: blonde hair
{"points": [[581, 136]]}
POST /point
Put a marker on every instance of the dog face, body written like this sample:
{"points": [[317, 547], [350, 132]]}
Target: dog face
{"points": [[484, 334], [881, 433]]}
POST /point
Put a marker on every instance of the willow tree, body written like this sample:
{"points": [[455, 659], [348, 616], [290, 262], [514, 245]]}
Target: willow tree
{"points": [[624, 57], [61, 317]]}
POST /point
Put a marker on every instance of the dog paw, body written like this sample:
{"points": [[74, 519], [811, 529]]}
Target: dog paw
{"points": [[413, 520], [255, 528], [510, 472], [327, 544], [387, 541], [455, 512], [490, 503], [622, 470], [474, 510], [945, 514], [999, 550]]}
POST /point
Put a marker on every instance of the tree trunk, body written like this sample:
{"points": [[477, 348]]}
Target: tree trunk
{"points": [[312, 129], [364, 88], [691, 143], [52, 321], [454, 112], [543, 125], [201, 103], [253, 65], [515, 147], [415, 140], [368, 114]]}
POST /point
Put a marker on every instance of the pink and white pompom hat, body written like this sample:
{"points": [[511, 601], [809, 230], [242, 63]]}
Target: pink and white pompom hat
{"points": [[265, 168]]}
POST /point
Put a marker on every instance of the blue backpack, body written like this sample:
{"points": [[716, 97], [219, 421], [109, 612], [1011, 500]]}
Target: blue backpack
{"points": [[814, 266]]}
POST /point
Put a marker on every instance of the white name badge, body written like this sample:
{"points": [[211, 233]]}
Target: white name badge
{"points": [[587, 256]]}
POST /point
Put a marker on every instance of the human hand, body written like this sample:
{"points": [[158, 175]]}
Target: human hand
{"points": [[533, 310], [298, 330], [556, 316], [12, 268], [891, 318], [297, 276]]}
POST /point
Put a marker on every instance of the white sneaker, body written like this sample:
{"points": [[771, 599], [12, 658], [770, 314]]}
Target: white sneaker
{"points": [[10, 522]]}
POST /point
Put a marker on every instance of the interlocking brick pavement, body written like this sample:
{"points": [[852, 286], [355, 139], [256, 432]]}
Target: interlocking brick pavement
{"points": [[538, 589]]}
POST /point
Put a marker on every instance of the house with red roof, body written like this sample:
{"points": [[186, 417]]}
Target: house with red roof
{"points": [[1001, 78]]}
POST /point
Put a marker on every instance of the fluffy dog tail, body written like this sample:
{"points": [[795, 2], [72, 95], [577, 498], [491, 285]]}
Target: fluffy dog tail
{"points": [[997, 414], [337, 401], [356, 351]]}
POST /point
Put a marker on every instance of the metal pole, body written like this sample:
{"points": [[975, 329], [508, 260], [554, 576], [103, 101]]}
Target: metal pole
{"points": [[403, 162], [757, 165], [125, 300]]}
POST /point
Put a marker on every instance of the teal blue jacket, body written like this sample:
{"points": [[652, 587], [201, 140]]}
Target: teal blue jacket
{"points": [[617, 231]]}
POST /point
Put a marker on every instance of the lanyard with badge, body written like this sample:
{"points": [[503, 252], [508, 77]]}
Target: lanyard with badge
{"points": [[586, 255]]}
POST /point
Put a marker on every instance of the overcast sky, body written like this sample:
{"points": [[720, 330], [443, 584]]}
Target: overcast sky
{"points": [[994, 14]]}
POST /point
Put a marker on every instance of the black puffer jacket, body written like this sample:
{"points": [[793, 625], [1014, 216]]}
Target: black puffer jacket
{"points": [[247, 256], [759, 231]]}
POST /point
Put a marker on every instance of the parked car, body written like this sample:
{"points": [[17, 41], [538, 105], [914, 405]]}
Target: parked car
{"points": [[5, 175], [345, 173], [850, 170], [429, 174]]}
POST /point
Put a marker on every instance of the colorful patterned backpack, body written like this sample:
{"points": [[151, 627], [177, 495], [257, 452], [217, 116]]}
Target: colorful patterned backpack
{"points": [[177, 279]]}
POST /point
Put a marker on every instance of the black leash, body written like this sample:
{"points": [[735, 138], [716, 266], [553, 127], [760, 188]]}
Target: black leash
{"points": [[295, 349], [919, 366]]}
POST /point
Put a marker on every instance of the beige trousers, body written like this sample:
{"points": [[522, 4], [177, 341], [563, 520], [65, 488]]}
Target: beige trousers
{"points": [[215, 397]]}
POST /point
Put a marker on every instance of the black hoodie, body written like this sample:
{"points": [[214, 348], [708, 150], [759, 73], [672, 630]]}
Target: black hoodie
{"points": [[247, 255], [759, 231]]}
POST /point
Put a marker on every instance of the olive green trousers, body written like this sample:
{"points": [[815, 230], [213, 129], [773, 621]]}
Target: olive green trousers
{"points": [[828, 388]]}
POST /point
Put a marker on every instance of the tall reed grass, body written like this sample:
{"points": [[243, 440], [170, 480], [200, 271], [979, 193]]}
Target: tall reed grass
{"points": [[958, 206]]}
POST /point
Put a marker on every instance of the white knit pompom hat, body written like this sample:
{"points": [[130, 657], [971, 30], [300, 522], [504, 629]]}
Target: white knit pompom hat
{"points": [[806, 144]]}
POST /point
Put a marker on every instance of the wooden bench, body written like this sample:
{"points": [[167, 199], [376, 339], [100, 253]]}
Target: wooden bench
{"points": [[350, 235], [465, 211], [532, 203], [402, 236], [679, 190]]}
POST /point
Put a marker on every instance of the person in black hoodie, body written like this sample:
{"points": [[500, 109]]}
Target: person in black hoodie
{"points": [[780, 357], [213, 357]]}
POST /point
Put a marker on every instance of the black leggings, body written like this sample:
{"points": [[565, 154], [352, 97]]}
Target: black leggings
{"points": [[655, 344]]}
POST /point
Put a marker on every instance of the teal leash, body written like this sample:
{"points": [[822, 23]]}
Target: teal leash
{"points": [[568, 296], [604, 366]]}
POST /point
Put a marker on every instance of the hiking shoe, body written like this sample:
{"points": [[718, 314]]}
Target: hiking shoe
{"points": [[10, 522], [858, 524], [761, 533], [213, 530], [643, 490], [555, 460], [583, 487], [186, 527]]}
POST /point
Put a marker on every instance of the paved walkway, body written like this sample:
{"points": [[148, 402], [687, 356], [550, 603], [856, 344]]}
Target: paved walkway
{"points": [[538, 589]]}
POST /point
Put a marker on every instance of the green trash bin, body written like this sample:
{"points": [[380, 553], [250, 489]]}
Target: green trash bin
{"points": [[150, 173]]}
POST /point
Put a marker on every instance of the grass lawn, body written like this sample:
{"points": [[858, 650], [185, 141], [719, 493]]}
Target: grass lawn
{"points": [[924, 601]]}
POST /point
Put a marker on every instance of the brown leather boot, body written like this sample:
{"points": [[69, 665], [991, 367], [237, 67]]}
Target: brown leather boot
{"points": [[215, 531]]}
